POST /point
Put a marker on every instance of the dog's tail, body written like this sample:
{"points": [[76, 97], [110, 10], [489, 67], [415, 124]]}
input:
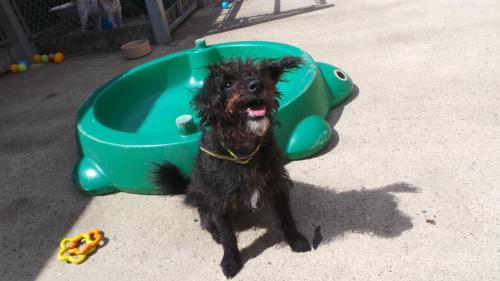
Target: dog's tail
{"points": [[63, 6], [170, 178]]}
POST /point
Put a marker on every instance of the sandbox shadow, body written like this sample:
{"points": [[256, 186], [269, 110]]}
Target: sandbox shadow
{"points": [[324, 215]]}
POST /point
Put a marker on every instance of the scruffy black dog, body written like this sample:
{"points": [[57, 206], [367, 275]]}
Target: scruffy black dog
{"points": [[239, 166]]}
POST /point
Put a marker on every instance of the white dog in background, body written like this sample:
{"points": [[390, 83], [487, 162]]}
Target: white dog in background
{"points": [[112, 9]]}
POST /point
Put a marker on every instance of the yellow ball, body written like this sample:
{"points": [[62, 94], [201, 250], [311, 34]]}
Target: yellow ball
{"points": [[37, 58], [58, 57], [13, 68], [22, 67]]}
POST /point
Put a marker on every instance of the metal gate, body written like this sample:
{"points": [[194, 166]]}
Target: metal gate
{"points": [[178, 10]]}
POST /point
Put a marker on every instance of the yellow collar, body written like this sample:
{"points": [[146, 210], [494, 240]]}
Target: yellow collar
{"points": [[235, 158]]}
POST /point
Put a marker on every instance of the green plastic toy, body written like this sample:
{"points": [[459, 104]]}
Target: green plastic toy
{"points": [[139, 118]]}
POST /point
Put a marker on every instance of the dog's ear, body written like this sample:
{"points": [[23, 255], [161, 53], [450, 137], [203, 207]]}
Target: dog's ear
{"points": [[275, 68], [209, 99]]}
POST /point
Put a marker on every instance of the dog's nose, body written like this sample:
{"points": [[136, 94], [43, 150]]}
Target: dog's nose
{"points": [[254, 86]]}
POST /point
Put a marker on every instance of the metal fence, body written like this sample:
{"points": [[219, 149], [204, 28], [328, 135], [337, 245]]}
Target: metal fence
{"points": [[177, 10], [4, 52], [61, 30]]}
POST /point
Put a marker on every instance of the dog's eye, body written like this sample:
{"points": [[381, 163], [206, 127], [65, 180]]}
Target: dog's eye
{"points": [[228, 86]]}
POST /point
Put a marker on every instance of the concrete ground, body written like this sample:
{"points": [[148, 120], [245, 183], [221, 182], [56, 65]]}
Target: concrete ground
{"points": [[408, 189]]}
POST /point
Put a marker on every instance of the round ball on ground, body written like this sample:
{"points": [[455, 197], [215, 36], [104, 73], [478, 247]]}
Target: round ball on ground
{"points": [[58, 57], [22, 67], [36, 58], [13, 68]]}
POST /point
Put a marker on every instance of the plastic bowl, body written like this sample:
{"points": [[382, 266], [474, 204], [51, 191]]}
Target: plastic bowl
{"points": [[136, 49]]}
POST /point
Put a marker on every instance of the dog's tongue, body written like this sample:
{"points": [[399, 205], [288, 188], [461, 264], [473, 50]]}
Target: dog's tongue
{"points": [[257, 111]]}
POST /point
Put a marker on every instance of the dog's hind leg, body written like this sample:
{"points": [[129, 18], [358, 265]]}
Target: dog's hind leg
{"points": [[98, 22], [111, 19], [118, 20], [208, 224], [113, 12], [231, 261], [293, 237], [118, 17], [83, 12]]}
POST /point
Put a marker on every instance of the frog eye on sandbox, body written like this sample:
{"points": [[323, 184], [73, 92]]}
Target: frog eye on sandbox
{"points": [[340, 75]]}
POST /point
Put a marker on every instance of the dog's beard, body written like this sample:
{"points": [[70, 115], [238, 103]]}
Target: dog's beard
{"points": [[258, 126]]}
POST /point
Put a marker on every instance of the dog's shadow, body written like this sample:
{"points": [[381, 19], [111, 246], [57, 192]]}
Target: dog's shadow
{"points": [[323, 215]]}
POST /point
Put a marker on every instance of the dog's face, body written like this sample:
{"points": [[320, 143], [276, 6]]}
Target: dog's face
{"points": [[242, 94]]}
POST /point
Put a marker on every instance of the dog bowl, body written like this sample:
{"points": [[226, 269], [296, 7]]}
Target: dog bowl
{"points": [[136, 49], [144, 116]]}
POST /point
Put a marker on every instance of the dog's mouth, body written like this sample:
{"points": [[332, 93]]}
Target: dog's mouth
{"points": [[256, 109]]}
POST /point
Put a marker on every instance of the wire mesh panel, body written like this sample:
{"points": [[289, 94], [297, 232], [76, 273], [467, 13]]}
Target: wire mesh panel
{"points": [[87, 25], [5, 58], [3, 39]]}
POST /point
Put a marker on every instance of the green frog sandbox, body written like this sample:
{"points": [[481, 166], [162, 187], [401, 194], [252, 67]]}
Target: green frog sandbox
{"points": [[144, 116]]}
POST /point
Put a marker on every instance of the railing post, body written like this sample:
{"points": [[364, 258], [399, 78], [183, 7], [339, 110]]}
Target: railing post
{"points": [[22, 48], [201, 3], [158, 19]]}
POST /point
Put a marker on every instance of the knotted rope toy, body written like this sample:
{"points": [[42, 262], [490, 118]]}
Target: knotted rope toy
{"points": [[77, 248]]}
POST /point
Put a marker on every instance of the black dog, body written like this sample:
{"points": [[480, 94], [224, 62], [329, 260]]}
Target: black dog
{"points": [[239, 166]]}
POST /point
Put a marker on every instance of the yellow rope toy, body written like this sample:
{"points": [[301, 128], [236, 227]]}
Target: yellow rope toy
{"points": [[235, 158], [76, 249]]}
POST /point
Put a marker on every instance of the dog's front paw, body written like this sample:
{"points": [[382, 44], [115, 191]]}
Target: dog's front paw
{"points": [[299, 244], [231, 266]]}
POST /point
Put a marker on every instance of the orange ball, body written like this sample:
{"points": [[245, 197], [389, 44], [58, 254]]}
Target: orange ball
{"points": [[37, 58], [13, 68], [58, 57]]}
